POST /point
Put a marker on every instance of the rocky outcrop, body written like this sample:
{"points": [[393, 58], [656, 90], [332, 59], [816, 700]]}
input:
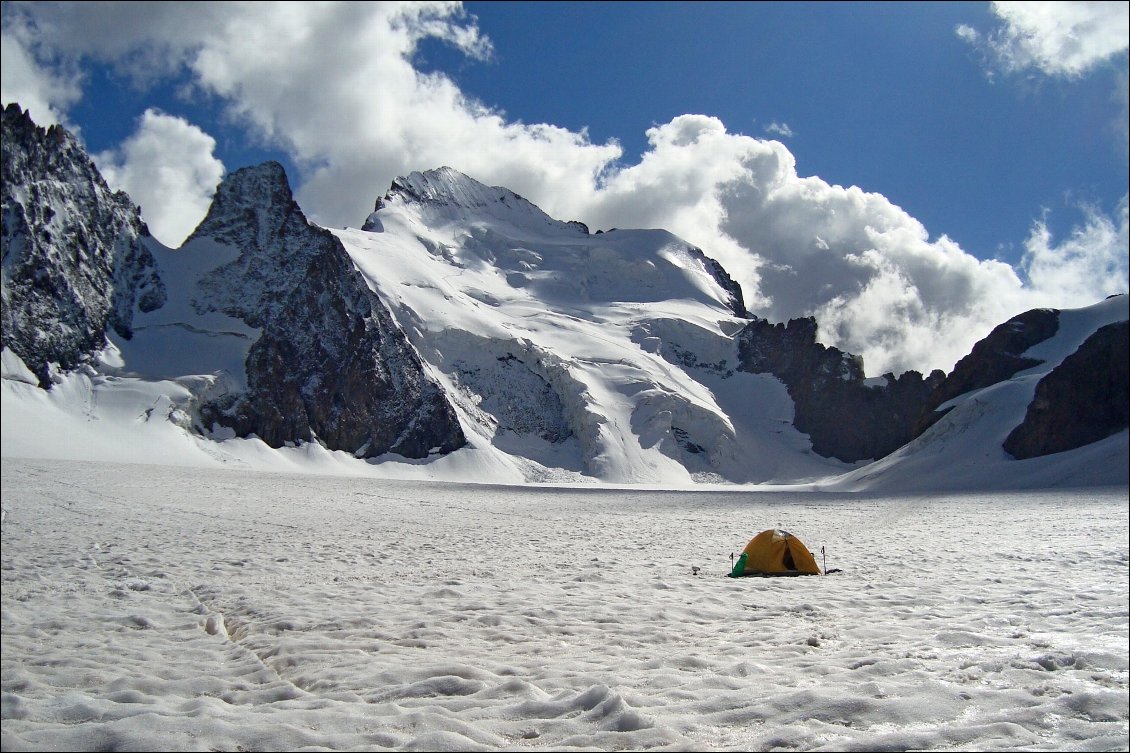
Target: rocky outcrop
{"points": [[330, 365], [994, 359], [845, 416], [75, 260], [1082, 400]]}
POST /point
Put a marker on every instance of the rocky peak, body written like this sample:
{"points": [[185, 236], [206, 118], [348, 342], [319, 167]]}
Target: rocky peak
{"points": [[254, 212], [330, 365], [262, 189], [75, 254]]}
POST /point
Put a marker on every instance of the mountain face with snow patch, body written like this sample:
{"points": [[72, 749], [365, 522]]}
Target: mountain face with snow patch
{"points": [[1080, 400], [993, 359], [847, 415], [1085, 399], [329, 365], [576, 354], [75, 261], [1040, 401], [462, 328]]}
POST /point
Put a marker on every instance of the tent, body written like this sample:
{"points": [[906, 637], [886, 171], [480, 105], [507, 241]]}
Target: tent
{"points": [[775, 552]]}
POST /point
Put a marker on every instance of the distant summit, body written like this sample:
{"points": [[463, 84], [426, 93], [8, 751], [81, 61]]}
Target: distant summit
{"points": [[447, 195]]}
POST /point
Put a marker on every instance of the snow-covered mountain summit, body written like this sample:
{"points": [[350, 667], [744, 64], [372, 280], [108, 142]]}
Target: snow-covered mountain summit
{"points": [[475, 224], [447, 195], [609, 355]]}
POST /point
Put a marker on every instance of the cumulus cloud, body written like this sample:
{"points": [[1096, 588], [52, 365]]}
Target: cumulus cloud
{"points": [[1066, 39], [167, 166], [799, 246], [334, 85]]}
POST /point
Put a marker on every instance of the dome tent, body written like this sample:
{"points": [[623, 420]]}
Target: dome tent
{"points": [[775, 552]]}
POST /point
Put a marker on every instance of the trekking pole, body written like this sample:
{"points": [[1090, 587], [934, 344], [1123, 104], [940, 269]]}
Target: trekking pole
{"points": [[825, 556]]}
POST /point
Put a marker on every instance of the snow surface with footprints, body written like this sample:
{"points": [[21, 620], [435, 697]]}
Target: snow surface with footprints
{"points": [[173, 608]]}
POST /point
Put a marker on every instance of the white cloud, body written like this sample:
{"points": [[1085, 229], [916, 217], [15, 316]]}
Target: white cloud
{"points": [[43, 93], [334, 85], [968, 33], [779, 129], [363, 115], [1063, 39], [1066, 39], [1091, 259], [167, 166]]}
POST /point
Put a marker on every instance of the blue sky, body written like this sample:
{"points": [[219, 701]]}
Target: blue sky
{"points": [[945, 165], [881, 95]]}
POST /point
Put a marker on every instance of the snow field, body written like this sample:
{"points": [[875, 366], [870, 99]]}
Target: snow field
{"points": [[149, 607]]}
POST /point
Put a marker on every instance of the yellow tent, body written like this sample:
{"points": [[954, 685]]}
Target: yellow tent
{"points": [[775, 552]]}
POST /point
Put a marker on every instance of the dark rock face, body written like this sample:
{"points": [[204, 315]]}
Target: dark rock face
{"points": [[330, 365], [254, 211], [791, 350], [74, 260], [994, 359], [1084, 399], [843, 416]]}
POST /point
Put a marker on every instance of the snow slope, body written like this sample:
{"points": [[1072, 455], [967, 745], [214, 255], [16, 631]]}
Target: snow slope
{"points": [[155, 608]]}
